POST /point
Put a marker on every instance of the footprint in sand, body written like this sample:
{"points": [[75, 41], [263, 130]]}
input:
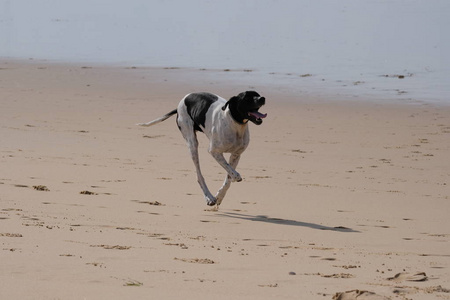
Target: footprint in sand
{"points": [[21, 185], [358, 295], [419, 276], [205, 261], [115, 247], [268, 285], [14, 235], [155, 203], [337, 275]]}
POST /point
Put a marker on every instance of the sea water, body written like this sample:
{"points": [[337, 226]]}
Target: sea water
{"points": [[387, 50]]}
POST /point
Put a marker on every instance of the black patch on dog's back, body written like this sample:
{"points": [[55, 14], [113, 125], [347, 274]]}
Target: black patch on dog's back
{"points": [[197, 105]]}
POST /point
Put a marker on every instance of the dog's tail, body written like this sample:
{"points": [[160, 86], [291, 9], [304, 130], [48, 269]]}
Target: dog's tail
{"points": [[163, 118]]}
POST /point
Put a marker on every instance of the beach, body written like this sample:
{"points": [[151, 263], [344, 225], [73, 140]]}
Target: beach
{"points": [[340, 198]]}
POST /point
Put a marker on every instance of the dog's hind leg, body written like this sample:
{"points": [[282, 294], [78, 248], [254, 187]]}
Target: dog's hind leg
{"points": [[234, 160], [193, 148], [187, 130]]}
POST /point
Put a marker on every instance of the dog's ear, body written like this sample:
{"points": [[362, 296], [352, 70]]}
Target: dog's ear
{"points": [[232, 99]]}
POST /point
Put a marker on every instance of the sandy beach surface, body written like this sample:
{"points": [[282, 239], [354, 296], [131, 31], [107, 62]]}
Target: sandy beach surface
{"points": [[341, 199]]}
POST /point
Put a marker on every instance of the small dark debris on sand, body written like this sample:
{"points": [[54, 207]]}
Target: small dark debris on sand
{"points": [[399, 76], [41, 188], [87, 193]]}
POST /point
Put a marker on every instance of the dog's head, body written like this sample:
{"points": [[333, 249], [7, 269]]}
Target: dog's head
{"points": [[245, 106]]}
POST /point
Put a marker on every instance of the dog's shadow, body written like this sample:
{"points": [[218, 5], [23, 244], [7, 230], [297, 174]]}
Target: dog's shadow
{"points": [[266, 219]]}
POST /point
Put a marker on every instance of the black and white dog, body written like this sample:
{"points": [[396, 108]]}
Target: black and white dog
{"points": [[225, 125]]}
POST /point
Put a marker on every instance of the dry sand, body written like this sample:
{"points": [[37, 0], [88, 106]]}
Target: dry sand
{"points": [[340, 199]]}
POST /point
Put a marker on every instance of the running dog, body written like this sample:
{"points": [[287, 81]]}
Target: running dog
{"points": [[225, 123]]}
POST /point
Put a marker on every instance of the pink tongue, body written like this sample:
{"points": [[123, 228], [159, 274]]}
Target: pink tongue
{"points": [[257, 114]]}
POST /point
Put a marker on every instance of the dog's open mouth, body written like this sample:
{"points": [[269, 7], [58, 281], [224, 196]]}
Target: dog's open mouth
{"points": [[256, 117]]}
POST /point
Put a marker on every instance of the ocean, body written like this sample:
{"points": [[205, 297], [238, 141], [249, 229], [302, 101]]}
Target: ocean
{"points": [[395, 50]]}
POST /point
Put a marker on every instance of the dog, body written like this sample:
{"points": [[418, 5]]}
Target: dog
{"points": [[225, 123]]}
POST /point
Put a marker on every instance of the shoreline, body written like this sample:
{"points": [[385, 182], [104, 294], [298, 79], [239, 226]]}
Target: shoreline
{"points": [[337, 195], [291, 86]]}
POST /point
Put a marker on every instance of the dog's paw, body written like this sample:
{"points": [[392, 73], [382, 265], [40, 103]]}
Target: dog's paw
{"points": [[219, 199], [235, 177], [211, 201]]}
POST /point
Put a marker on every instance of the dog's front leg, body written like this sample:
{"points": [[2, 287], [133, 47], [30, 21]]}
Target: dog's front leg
{"points": [[234, 160], [234, 176]]}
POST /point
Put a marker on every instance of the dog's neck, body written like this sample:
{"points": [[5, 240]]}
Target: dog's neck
{"points": [[232, 108]]}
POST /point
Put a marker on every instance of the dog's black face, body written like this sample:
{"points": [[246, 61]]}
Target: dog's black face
{"points": [[245, 107]]}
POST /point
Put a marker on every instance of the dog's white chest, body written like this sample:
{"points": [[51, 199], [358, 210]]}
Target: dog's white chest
{"points": [[224, 134]]}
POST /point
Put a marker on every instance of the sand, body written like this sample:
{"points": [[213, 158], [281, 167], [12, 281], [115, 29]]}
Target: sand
{"points": [[341, 199]]}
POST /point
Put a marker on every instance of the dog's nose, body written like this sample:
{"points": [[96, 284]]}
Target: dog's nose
{"points": [[262, 100]]}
